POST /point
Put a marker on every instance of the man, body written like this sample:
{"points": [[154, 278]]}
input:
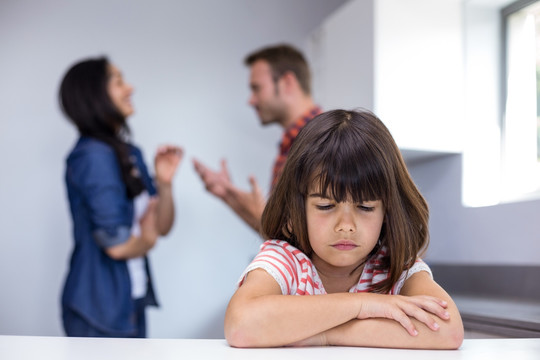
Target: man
{"points": [[280, 83]]}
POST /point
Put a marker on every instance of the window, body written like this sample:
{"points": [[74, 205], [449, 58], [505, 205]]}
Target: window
{"points": [[521, 97]]}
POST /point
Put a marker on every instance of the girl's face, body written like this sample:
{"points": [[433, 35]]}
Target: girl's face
{"points": [[342, 234], [120, 92]]}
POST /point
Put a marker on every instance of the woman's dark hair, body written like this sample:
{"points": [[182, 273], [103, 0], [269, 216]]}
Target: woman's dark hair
{"points": [[350, 155], [85, 101]]}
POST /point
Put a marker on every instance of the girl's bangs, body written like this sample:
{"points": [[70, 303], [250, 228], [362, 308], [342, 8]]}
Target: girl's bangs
{"points": [[345, 179]]}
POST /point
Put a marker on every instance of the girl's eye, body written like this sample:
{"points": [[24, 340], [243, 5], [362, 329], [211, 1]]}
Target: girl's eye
{"points": [[324, 207], [366, 208]]}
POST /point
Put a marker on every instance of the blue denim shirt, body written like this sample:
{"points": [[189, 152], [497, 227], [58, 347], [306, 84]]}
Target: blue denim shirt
{"points": [[98, 287]]}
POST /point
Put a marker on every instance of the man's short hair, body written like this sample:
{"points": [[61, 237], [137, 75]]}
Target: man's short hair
{"points": [[283, 58]]}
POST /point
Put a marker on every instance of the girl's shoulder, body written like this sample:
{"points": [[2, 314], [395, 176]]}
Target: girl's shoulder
{"points": [[290, 267], [419, 265]]}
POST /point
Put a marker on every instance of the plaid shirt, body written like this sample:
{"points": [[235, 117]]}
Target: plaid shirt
{"points": [[288, 139]]}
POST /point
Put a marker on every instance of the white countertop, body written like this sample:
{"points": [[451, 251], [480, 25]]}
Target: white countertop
{"points": [[63, 348]]}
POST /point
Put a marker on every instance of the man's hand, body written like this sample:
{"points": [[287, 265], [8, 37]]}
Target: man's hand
{"points": [[216, 182], [248, 205]]}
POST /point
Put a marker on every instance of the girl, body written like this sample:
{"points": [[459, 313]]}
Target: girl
{"points": [[347, 224], [117, 211]]}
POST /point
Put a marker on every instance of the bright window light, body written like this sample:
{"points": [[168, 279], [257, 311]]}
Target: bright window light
{"points": [[520, 163]]}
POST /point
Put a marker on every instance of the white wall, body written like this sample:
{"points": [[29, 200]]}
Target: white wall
{"points": [[185, 60], [418, 72], [342, 53], [401, 59]]}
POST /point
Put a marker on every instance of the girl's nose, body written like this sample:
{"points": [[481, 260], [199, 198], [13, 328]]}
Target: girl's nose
{"points": [[346, 222]]}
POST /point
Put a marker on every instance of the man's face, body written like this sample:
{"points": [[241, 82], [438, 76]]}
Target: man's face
{"points": [[266, 96]]}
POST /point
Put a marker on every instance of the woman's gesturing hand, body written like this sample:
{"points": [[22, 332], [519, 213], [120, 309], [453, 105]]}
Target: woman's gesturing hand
{"points": [[166, 161]]}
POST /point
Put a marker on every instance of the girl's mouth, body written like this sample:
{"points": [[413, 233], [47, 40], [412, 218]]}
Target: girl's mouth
{"points": [[344, 245]]}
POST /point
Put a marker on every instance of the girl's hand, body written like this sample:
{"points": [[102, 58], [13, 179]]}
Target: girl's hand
{"points": [[402, 308], [166, 162]]}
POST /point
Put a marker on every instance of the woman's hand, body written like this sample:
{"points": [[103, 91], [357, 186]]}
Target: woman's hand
{"points": [[166, 161], [403, 308]]}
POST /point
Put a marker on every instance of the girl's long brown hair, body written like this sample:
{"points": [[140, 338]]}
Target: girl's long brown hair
{"points": [[350, 155]]}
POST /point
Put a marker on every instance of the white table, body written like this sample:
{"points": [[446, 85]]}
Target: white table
{"points": [[63, 348]]}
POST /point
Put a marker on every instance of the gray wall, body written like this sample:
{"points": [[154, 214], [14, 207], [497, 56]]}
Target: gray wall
{"points": [[506, 234], [185, 60]]}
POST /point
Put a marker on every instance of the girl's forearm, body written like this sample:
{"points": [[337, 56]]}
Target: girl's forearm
{"points": [[278, 320], [379, 332]]}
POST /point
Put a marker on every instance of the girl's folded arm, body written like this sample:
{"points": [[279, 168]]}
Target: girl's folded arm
{"points": [[259, 315], [380, 332]]}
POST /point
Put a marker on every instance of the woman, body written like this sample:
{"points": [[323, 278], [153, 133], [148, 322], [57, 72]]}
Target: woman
{"points": [[117, 210]]}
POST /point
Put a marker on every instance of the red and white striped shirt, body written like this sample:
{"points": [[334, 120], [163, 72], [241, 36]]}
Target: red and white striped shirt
{"points": [[296, 274]]}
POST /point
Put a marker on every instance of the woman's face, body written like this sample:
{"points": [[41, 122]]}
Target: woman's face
{"points": [[119, 91]]}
